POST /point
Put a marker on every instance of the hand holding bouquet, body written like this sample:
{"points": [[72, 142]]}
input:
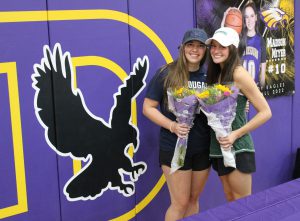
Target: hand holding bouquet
{"points": [[182, 102], [218, 102]]}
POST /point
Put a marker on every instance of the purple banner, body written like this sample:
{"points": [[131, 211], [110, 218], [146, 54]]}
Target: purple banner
{"points": [[266, 29]]}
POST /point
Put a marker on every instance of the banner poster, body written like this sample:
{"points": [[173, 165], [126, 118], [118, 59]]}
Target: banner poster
{"points": [[266, 29]]}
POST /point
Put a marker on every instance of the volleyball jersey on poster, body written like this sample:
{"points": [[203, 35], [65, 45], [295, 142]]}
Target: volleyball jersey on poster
{"points": [[254, 55]]}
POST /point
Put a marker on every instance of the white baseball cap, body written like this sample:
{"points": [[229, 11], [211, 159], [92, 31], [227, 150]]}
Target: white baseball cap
{"points": [[225, 36]]}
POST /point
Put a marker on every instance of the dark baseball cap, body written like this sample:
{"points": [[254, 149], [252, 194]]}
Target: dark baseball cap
{"points": [[195, 34]]}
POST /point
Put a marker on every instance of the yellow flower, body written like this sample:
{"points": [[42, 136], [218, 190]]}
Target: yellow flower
{"points": [[179, 91], [203, 95], [222, 88]]}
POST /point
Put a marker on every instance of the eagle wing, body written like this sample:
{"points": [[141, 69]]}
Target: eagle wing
{"points": [[70, 128], [129, 90], [121, 118]]}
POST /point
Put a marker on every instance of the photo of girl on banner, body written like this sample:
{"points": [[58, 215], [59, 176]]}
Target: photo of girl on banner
{"points": [[267, 39], [254, 53]]}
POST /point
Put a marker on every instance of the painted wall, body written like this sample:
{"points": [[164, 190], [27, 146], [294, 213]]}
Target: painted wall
{"points": [[33, 175], [296, 97]]}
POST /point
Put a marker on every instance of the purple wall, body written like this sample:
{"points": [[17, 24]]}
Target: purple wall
{"points": [[46, 172], [296, 97]]}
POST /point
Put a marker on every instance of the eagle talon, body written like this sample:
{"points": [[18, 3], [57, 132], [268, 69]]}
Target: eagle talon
{"points": [[128, 189], [137, 171]]}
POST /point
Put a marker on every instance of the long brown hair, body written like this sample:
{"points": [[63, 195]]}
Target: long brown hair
{"points": [[217, 75], [244, 42], [178, 72], [252, 5]]}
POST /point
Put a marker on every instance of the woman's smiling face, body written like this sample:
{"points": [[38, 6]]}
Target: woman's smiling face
{"points": [[250, 18], [194, 52], [218, 52]]}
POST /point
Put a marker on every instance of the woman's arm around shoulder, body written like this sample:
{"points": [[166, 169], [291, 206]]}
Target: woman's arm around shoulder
{"points": [[247, 86]]}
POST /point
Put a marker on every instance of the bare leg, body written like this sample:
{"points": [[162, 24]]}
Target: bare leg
{"points": [[236, 185], [227, 189], [240, 183], [199, 179], [179, 185]]}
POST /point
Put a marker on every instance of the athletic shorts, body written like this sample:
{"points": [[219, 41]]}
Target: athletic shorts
{"points": [[245, 163], [195, 162]]}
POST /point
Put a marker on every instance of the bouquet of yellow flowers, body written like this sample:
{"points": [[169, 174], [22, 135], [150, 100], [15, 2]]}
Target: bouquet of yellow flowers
{"points": [[182, 92], [218, 102], [183, 103], [214, 94]]}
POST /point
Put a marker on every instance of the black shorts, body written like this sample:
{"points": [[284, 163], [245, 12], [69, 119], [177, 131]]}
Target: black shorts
{"points": [[245, 162], [196, 161]]}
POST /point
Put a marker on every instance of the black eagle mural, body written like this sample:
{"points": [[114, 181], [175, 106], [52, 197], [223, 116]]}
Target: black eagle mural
{"points": [[61, 110]]}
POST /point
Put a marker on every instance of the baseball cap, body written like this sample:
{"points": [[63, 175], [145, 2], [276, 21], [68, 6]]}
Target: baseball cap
{"points": [[195, 34], [225, 36]]}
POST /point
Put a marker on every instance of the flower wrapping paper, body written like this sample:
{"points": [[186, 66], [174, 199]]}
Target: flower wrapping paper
{"points": [[220, 114], [183, 104]]}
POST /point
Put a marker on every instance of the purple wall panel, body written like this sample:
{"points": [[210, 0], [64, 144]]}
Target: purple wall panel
{"points": [[22, 43], [7, 167], [160, 17], [296, 97], [26, 5], [89, 4], [273, 146], [103, 38]]}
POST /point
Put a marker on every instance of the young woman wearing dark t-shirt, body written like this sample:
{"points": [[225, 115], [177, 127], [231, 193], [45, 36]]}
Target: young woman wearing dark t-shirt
{"points": [[186, 184]]}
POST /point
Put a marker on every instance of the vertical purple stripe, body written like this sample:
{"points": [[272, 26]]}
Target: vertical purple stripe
{"points": [[7, 172]]}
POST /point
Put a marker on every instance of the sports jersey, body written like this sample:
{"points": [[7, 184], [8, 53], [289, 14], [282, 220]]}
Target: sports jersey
{"points": [[254, 55], [199, 135], [244, 143]]}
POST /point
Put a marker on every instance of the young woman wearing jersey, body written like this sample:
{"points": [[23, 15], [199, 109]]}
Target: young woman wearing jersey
{"points": [[254, 55], [223, 67]]}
